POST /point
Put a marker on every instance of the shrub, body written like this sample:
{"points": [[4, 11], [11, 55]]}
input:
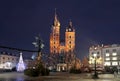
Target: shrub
{"points": [[39, 70], [111, 69], [31, 72], [14, 69], [76, 71], [45, 72]]}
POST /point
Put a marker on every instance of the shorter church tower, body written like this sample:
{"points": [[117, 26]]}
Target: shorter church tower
{"points": [[70, 38]]}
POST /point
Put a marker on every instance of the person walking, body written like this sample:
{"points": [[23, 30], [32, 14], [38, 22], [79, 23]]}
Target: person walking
{"points": [[115, 74]]}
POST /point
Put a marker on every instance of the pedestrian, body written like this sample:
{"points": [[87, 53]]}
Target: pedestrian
{"points": [[115, 74]]}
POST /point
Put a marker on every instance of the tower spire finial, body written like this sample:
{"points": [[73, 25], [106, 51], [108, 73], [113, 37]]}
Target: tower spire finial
{"points": [[70, 23], [56, 21], [55, 15]]}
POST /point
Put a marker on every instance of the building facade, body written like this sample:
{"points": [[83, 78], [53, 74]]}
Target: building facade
{"points": [[111, 55], [107, 55], [62, 51], [95, 54], [8, 61]]}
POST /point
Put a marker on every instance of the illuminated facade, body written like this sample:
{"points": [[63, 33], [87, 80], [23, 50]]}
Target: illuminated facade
{"points": [[95, 53], [62, 52], [8, 61], [109, 55], [56, 46], [112, 55]]}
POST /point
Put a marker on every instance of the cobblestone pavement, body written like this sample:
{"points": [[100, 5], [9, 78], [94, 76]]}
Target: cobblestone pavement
{"points": [[59, 76], [80, 77]]}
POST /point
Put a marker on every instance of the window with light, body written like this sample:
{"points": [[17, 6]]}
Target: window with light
{"points": [[107, 59], [114, 63], [114, 58], [114, 54], [107, 54], [107, 64]]}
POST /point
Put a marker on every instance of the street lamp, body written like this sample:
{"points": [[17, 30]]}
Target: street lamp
{"points": [[118, 68], [95, 76]]}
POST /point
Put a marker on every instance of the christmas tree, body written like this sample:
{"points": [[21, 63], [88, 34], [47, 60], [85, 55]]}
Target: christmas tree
{"points": [[20, 66]]}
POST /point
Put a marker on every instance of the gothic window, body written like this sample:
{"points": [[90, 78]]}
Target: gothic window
{"points": [[57, 35], [69, 42], [70, 37], [54, 51]]}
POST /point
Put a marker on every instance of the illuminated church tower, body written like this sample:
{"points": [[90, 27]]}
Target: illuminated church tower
{"points": [[70, 38], [55, 36]]}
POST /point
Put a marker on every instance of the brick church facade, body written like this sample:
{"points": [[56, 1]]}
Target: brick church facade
{"points": [[62, 52]]}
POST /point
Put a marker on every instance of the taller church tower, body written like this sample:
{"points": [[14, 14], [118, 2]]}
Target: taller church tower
{"points": [[55, 36]]}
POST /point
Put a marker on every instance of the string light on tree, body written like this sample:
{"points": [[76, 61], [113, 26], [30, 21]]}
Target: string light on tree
{"points": [[21, 65]]}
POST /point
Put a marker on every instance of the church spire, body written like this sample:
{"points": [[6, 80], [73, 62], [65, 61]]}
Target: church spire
{"points": [[70, 27], [56, 21], [55, 15], [70, 23]]}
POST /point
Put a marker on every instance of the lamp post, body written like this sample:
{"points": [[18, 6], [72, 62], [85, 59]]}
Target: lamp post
{"points": [[95, 76], [118, 68]]}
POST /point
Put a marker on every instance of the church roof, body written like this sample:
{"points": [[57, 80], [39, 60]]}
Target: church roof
{"points": [[70, 27]]}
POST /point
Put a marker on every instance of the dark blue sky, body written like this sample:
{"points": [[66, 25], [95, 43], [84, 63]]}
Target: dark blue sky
{"points": [[95, 21]]}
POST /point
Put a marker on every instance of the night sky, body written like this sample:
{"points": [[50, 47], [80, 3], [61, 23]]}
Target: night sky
{"points": [[96, 22]]}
